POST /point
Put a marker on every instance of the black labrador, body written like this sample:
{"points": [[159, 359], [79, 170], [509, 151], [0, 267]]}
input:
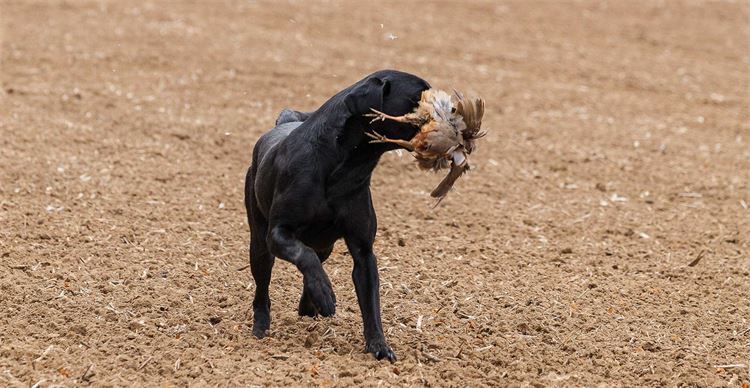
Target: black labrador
{"points": [[309, 185]]}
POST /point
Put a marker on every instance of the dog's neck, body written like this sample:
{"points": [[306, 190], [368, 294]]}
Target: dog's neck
{"points": [[335, 128], [352, 173], [343, 145], [357, 157]]}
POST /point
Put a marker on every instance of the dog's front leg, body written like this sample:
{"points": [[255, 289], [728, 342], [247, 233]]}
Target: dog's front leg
{"points": [[283, 244], [367, 284]]}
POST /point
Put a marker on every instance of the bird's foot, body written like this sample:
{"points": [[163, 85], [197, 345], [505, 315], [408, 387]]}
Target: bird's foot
{"points": [[377, 138], [380, 116], [376, 115]]}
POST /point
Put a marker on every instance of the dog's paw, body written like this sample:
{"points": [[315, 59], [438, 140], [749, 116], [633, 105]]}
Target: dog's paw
{"points": [[306, 306], [261, 323], [381, 350], [258, 331], [321, 294]]}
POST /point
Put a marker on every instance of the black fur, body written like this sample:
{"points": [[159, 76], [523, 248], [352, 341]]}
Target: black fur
{"points": [[309, 185]]}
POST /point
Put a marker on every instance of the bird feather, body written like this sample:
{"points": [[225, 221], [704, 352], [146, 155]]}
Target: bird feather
{"points": [[442, 105], [447, 183]]}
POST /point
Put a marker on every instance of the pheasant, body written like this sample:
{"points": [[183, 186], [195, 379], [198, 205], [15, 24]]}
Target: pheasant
{"points": [[447, 134]]}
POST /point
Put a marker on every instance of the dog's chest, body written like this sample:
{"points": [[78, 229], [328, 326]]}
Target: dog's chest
{"points": [[320, 235]]}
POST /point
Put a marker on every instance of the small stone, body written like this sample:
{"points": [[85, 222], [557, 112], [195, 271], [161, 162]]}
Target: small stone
{"points": [[311, 339]]}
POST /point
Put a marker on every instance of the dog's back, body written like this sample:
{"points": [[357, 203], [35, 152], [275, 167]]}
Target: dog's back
{"points": [[271, 139], [289, 115], [287, 121]]}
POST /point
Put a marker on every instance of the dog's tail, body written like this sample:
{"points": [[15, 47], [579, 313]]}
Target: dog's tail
{"points": [[288, 115]]}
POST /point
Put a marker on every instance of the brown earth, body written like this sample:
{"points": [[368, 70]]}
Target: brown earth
{"points": [[603, 237]]}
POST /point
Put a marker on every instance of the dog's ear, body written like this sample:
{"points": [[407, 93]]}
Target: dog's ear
{"points": [[369, 94]]}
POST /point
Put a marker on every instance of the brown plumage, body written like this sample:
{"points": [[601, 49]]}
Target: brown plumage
{"points": [[472, 112], [447, 134]]}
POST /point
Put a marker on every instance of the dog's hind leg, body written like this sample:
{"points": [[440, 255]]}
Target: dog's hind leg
{"points": [[306, 306], [261, 260], [261, 264], [284, 245]]}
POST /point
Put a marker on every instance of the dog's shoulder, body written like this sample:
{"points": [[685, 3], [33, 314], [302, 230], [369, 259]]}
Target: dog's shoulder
{"points": [[290, 115]]}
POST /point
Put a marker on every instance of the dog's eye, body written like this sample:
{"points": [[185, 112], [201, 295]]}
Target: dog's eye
{"points": [[453, 110]]}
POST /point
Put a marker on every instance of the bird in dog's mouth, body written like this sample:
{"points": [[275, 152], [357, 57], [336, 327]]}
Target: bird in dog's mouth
{"points": [[447, 134]]}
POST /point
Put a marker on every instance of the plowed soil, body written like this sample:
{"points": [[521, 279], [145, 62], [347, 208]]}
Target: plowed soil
{"points": [[603, 236]]}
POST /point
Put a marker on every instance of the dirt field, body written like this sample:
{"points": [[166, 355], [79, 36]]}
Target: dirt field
{"points": [[603, 236]]}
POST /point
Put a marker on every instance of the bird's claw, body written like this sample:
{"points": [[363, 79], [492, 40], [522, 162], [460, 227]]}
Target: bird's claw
{"points": [[378, 115], [377, 138]]}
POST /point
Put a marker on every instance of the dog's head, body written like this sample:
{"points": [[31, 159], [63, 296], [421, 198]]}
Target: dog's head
{"points": [[389, 91]]}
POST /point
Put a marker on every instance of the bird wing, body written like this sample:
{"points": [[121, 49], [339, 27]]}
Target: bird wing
{"points": [[442, 139], [472, 111]]}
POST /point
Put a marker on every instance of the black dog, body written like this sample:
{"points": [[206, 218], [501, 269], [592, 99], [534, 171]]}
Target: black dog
{"points": [[309, 185]]}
